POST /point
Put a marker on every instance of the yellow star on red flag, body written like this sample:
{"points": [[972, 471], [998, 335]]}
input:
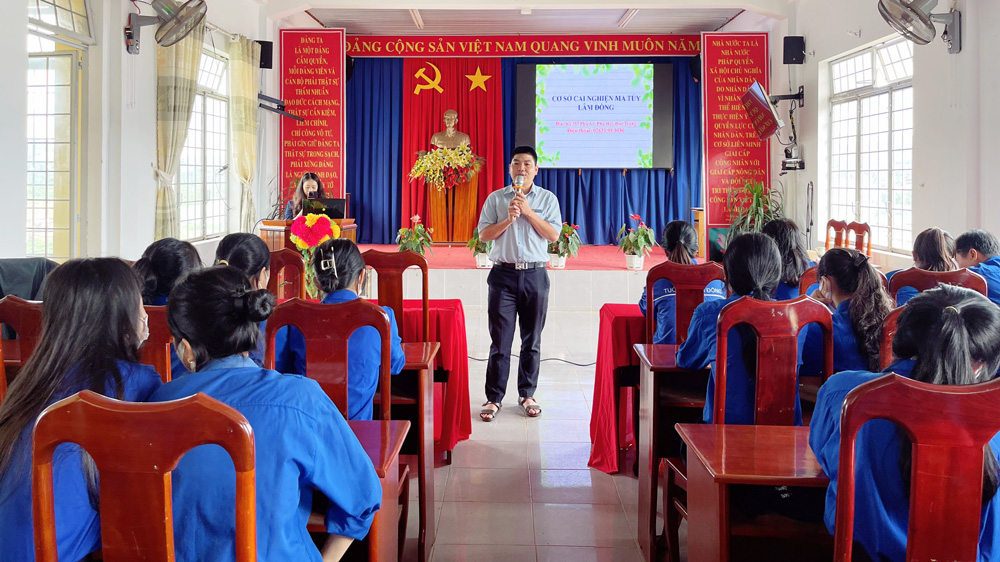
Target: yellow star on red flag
{"points": [[477, 80]]}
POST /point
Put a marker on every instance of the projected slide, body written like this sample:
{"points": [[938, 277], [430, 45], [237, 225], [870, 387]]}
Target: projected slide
{"points": [[594, 115]]}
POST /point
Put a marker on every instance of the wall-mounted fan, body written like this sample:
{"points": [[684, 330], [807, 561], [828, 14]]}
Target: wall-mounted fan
{"points": [[175, 22], [913, 19]]}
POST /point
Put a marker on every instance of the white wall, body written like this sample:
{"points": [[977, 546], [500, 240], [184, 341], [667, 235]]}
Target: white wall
{"points": [[956, 132], [13, 128]]}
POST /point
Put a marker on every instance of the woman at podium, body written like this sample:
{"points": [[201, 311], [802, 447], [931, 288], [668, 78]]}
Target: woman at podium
{"points": [[310, 187]]}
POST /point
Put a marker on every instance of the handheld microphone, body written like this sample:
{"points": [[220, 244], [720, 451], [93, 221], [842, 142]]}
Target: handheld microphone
{"points": [[519, 184]]}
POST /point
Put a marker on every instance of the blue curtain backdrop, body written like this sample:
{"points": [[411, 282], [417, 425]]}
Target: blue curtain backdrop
{"points": [[599, 200], [374, 146]]}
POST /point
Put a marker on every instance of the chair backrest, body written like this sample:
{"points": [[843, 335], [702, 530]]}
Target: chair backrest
{"points": [[326, 329], [156, 350], [922, 280], [293, 267], [390, 267], [839, 229], [809, 278], [889, 326], [689, 285], [26, 319], [949, 427], [135, 457], [777, 325], [3, 375], [862, 237]]}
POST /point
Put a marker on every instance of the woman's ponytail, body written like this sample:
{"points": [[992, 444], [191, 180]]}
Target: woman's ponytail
{"points": [[870, 303]]}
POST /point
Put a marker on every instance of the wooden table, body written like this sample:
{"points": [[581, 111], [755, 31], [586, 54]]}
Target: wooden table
{"points": [[382, 440], [655, 359], [720, 455], [420, 357]]}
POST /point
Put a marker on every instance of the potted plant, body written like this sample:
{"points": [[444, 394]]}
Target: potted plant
{"points": [[567, 244], [481, 250], [751, 207], [636, 242], [308, 232], [417, 238]]}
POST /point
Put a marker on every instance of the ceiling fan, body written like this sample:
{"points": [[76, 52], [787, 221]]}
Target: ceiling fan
{"points": [[175, 21], [913, 19]]}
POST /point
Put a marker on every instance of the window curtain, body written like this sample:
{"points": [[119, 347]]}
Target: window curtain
{"points": [[244, 76], [176, 86]]}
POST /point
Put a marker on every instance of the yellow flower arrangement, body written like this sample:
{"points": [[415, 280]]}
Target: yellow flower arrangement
{"points": [[444, 168]]}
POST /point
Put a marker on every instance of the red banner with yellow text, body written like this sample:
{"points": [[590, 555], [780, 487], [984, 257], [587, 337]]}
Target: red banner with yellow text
{"points": [[312, 86], [731, 62], [470, 86], [523, 45]]}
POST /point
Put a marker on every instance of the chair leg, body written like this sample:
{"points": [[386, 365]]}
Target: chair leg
{"points": [[635, 428], [671, 518], [404, 507]]}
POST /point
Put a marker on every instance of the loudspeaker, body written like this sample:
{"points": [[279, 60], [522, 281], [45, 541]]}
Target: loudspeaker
{"points": [[266, 53], [694, 65], [348, 67], [795, 49]]}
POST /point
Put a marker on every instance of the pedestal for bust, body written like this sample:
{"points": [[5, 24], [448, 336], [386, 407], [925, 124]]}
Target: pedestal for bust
{"points": [[452, 212]]}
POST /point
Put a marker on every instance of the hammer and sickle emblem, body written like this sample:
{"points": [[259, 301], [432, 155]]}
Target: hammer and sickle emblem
{"points": [[428, 82]]}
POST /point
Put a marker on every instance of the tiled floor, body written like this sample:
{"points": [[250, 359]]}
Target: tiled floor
{"points": [[520, 488]]}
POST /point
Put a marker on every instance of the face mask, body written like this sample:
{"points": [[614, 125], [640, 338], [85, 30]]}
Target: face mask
{"points": [[144, 332]]}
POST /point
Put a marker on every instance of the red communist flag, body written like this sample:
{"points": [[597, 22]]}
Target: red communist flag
{"points": [[472, 87]]}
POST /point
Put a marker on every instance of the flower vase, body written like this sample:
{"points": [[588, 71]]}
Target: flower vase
{"points": [[483, 261], [556, 261], [634, 262]]}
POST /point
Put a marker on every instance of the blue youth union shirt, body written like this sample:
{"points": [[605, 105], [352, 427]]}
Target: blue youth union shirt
{"points": [[665, 305], [302, 442], [520, 242], [78, 525], [699, 350], [364, 357], [846, 353], [881, 505], [990, 269]]}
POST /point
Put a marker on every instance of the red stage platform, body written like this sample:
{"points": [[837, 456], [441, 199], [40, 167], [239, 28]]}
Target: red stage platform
{"points": [[589, 258]]}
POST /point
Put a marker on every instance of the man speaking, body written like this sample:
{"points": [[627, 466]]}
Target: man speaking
{"points": [[522, 219]]}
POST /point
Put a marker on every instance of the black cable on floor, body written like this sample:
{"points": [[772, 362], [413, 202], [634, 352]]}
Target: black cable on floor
{"points": [[543, 360]]}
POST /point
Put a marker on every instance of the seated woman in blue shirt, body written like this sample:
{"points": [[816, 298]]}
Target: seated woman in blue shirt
{"points": [[340, 271], [947, 335], [753, 268], [794, 261], [250, 255], [161, 265], [92, 326], [303, 443], [933, 250], [852, 286], [680, 243], [309, 187]]}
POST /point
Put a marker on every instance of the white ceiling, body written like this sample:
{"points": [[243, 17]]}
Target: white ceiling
{"points": [[513, 22]]}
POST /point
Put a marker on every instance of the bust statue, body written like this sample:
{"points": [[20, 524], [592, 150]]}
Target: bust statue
{"points": [[449, 137]]}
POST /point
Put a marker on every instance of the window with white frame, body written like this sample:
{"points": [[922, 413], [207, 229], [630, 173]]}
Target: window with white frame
{"points": [[202, 181], [871, 142], [67, 18]]}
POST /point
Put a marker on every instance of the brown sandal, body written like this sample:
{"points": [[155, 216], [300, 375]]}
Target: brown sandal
{"points": [[489, 411]]}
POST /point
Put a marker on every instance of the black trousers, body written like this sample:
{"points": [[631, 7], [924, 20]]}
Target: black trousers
{"points": [[523, 294]]}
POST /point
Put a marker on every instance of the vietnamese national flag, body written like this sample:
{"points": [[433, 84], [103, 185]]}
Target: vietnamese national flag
{"points": [[470, 86]]}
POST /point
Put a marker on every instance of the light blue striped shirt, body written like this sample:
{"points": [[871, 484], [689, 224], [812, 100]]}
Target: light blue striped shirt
{"points": [[520, 242]]}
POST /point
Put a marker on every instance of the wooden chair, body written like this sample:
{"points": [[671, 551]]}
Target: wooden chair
{"points": [[889, 325], [25, 317], [950, 426], [390, 268], [287, 268], [689, 283], [839, 229], [811, 277], [135, 458], [922, 280], [156, 350], [326, 329], [777, 325], [3, 375], [842, 231]]}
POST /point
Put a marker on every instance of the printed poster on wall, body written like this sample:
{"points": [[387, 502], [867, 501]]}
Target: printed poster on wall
{"points": [[312, 86], [733, 154]]}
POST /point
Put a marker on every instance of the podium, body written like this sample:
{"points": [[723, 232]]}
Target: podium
{"points": [[452, 212]]}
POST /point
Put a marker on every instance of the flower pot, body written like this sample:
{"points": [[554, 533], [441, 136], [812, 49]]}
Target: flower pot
{"points": [[483, 261], [633, 262], [556, 261]]}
